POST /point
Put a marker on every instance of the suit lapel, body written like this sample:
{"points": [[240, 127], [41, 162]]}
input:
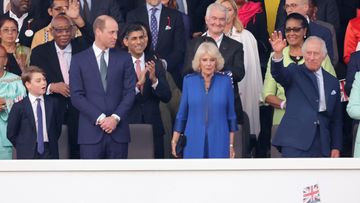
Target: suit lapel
{"points": [[29, 112], [48, 113], [111, 66], [312, 91], [327, 88], [224, 45], [94, 68], [164, 18]]}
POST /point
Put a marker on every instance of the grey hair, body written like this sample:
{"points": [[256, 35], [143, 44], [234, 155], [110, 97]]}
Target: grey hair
{"points": [[217, 6], [211, 49], [314, 38]]}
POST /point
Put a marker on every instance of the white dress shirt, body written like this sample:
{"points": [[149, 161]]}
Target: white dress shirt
{"points": [[218, 40], [34, 103], [320, 83], [157, 14], [67, 56], [98, 52], [20, 20]]}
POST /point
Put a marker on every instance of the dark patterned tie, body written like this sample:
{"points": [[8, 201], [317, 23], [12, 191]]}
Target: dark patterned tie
{"points": [[103, 69], [40, 133], [86, 11], [153, 28]]}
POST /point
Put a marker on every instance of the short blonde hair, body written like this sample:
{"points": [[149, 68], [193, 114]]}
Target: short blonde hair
{"points": [[211, 49]]}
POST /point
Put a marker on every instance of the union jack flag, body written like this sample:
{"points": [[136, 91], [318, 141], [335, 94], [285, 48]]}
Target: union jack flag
{"points": [[311, 194]]}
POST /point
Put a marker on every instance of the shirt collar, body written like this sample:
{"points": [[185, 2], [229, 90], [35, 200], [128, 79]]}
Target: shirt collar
{"points": [[98, 51], [12, 15], [66, 50], [218, 40], [142, 58], [319, 72], [33, 98], [148, 7]]}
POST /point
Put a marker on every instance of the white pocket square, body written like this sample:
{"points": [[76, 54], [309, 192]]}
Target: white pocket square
{"points": [[333, 92]]}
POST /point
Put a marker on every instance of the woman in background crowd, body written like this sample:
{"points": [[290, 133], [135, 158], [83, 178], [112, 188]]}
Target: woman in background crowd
{"points": [[18, 55], [206, 113], [250, 97], [11, 90]]}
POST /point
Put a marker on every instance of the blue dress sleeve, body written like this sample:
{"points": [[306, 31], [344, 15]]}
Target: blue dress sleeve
{"points": [[182, 114], [231, 115]]}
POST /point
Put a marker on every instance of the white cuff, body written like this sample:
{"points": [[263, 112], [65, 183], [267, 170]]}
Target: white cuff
{"points": [[48, 89], [283, 105], [277, 60], [164, 63], [102, 116], [155, 84], [117, 118]]}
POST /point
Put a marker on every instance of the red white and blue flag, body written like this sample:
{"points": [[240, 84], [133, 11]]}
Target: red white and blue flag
{"points": [[311, 194]]}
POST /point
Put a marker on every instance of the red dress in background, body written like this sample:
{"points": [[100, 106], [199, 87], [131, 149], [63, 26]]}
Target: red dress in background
{"points": [[352, 37]]}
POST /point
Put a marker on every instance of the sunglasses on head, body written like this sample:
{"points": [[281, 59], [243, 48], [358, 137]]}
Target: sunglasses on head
{"points": [[294, 29]]}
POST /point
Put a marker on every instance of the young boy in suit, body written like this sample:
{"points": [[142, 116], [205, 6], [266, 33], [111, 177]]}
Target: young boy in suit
{"points": [[34, 125]]}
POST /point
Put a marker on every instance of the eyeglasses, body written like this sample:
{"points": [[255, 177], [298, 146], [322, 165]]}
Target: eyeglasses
{"points": [[62, 30], [293, 6], [9, 30], [294, 29]]}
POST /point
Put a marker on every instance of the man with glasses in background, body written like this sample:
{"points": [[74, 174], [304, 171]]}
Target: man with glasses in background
{"points": [[69, 8]]}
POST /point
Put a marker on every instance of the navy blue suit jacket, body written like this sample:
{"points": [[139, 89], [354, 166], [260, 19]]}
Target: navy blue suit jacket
{"points": [[146, 104], [21, 128], [299, 124], [171, 37], [90, 98]]}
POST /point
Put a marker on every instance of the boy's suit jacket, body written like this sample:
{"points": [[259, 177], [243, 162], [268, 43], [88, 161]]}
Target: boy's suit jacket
{"points": [[21, 129]]}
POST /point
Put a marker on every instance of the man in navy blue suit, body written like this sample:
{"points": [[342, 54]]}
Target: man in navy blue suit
{"points": [[312, 124], [167, 34], [102, 88]]}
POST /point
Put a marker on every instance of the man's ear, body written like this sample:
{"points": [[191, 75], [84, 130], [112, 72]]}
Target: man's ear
{"points": [[125, 41], [50, 11]]}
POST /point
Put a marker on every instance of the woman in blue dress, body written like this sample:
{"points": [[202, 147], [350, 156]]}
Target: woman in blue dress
{"points": [[206, 113]]}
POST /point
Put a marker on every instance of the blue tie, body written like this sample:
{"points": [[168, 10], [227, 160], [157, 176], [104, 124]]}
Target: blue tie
{"points": [[40, 133], [153, 28]]}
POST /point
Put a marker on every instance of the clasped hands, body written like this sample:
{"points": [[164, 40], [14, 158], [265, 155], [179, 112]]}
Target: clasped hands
{"points": [[108, 124], [149, 67]]}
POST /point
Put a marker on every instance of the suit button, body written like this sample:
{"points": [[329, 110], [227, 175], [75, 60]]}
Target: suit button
{"points": [[317, 100]]}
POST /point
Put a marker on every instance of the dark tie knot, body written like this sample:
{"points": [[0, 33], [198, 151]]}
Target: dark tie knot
{"points": [[38, 100], [153, 10]]}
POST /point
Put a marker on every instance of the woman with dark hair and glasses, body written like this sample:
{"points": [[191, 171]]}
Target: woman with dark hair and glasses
{"points": [[296, 31], [18, 55]]}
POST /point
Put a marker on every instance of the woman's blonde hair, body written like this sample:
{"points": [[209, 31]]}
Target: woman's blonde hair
{"points": [[211, 49], [237, 23]]}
